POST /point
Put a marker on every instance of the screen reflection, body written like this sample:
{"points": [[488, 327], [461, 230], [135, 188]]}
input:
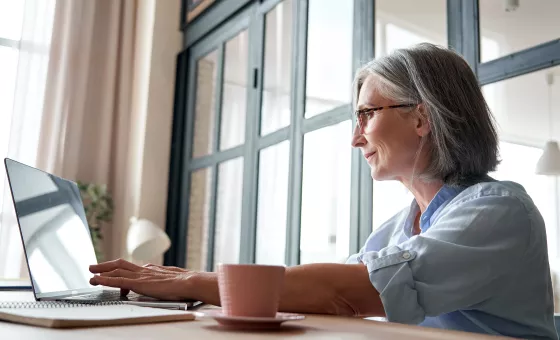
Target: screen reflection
{"points": [[54, 229]]}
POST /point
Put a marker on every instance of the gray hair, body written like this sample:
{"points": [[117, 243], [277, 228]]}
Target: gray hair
{"points": [[463, 141]]}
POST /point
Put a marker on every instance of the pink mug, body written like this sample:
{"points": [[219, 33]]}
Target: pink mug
{"points": [[250, 289]]}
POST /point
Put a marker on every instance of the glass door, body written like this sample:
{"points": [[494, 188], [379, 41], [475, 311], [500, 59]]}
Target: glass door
{"points": [[218, 93]]}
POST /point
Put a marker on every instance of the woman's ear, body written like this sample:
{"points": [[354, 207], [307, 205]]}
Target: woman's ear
{"points": [[422, 121]]}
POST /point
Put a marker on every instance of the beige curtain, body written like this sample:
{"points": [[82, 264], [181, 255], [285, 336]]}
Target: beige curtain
{"points": [[94, 103], [93, 114], [22, 87]]}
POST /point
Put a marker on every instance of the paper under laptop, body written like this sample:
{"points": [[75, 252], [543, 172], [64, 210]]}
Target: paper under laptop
{"points": [[84, 315]]}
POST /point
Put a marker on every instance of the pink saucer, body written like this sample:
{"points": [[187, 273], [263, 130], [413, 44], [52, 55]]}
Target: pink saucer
{"points": [[246, 322]]}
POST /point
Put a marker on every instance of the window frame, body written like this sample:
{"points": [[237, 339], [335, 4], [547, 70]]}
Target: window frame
{"points": [[462, 35]]}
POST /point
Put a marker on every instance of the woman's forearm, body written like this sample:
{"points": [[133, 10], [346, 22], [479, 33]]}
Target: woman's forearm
{"points": [[330, 288], [322, 288]]}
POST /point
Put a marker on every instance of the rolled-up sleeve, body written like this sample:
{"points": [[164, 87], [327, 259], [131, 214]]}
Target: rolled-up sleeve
{"points": [[461, 260]]}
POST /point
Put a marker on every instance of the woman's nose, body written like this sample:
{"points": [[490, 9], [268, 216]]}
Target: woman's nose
{"points": [[358, 139]]}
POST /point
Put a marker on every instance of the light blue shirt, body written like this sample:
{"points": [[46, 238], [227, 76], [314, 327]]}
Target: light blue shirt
{"points": [[480, 263]]}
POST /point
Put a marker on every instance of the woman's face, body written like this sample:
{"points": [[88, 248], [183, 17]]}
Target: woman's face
{"points": [[390, 138]]}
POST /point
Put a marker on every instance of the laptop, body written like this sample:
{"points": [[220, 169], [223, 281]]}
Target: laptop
{"points": [[57, 241]]}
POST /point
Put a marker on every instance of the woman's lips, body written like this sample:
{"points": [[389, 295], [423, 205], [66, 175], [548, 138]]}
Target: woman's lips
{"points": [[369, 155]]}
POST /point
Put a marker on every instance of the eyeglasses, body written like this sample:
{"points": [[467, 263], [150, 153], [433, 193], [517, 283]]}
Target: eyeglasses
{"points": [[363, 115]]}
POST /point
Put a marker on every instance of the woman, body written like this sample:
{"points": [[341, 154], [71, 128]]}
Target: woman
{"points": [[469, 254]]}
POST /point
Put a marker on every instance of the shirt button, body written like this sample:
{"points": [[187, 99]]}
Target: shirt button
{"points": [[406, 255]]}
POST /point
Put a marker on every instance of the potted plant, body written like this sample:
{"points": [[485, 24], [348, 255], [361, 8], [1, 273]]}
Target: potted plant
{"points": [[98, 206]]}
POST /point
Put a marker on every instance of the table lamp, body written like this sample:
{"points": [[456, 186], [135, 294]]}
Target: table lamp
{"points": [[145, 240]]}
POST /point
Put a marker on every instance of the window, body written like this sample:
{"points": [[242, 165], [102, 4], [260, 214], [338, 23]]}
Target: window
{"points": [[25, 34], [526, 110], [329, 55], [272, 204], [399, 26], [325, 205], [199, 208], [11, 20], [273, 89], [228, 211], [234, 104], [326, 168], [277, 92], [515, 28], [276, 112], [250, 199], [206, 72]]}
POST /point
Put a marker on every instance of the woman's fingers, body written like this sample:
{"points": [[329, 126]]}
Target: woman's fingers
{"points": [[151, 280], [116, 282], [121, 273], [112, 265], [165, 268], [161, 284], [154, 287]]}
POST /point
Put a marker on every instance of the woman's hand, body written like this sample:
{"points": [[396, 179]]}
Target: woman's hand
{"points": [[167, 283]]}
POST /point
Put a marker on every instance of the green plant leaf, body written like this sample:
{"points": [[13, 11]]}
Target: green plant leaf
{"points": [[99, 208]]}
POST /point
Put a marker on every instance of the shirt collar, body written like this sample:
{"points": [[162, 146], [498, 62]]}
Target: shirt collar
{"points": [[440, 200]]}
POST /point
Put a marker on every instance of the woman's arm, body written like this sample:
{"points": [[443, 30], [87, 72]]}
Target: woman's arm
{"points": [[329, 288], [323, 288]]}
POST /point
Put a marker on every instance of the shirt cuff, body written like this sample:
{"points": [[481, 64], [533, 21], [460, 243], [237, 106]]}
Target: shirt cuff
{"points": [[353, 259], [390, 273]]}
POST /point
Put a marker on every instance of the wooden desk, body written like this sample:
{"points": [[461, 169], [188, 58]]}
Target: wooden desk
{"points": [[313, 327]]}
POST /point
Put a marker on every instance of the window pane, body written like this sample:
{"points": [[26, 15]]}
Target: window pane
{"points": [[524, 106], [329, 55], [325, 207], [526, 109], [199, 205], [206, 71], [228, 211], [506, 30], [404, 23], [8, 71], [277, 68], [389, 197], [11, 19], [274, 164], [234, 97]]}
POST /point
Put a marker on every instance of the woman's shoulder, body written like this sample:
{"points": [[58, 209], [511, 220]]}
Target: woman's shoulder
{"points": [[495, 195], [498, 190]]}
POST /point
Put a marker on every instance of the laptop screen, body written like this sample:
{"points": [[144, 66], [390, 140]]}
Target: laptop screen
{"points": [[54, 229]]}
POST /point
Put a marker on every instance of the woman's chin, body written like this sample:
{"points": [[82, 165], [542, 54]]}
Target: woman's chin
{"points": [[381, 174], [377, 175]]}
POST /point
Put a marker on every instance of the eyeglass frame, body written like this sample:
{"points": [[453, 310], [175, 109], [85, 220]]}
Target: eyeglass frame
{"points": [[370, 111]]}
